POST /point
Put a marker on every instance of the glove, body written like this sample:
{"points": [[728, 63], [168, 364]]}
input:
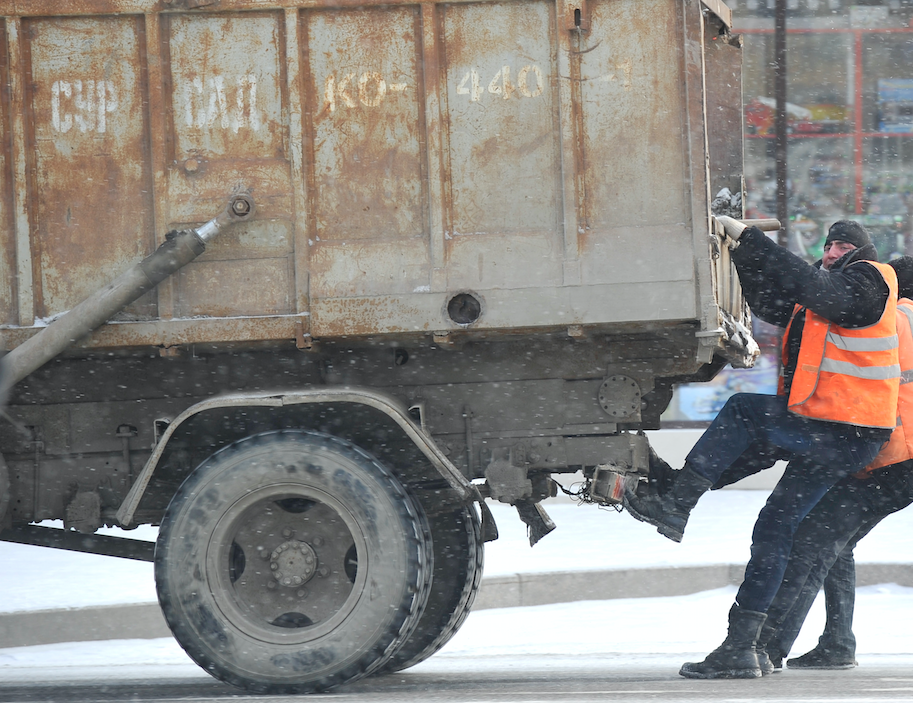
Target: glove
{"points": [[733, 228]]}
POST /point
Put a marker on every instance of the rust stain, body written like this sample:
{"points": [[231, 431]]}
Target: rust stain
{"points": [[7, 232], [501, 110], [431, 154], [90, 147], [367, 157]]}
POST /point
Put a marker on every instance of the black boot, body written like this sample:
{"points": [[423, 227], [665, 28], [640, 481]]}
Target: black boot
{"points": [[736, 658], [668, 511], [770, 660], [822, 658], [662, 476]]}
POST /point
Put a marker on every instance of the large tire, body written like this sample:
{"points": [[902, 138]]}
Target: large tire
{"points": [[4, 491], [292, 562], [458, 562]]}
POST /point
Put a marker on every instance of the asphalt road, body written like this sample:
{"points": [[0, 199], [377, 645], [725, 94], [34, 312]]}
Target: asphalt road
{"points": [[532, 679]]}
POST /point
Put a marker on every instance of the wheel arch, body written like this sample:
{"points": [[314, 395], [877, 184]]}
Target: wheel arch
{"points": [[375, 421]]}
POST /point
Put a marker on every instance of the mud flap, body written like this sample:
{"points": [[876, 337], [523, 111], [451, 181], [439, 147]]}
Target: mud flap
{"points": [[538, 523], [489, 528]]}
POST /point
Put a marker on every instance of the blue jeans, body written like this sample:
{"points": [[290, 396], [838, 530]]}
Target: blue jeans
{"points": [[822, 453], [839, 597], [823, 552]]}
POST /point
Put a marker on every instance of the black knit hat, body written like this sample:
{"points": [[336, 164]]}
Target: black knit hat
{"points": [[848, 231], [903, 267]]}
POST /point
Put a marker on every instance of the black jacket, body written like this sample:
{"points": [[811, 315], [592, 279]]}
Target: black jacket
{"points": [[775, 280], [850, 294]]}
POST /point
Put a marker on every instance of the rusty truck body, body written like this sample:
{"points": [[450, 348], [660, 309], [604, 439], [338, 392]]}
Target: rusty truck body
{"points": [[482, 254]]}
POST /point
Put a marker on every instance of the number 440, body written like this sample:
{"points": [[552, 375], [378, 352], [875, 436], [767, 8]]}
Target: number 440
{"points": [[502, 84]]}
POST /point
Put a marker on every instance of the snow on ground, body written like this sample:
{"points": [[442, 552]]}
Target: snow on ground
{"points": [[672, 630]]}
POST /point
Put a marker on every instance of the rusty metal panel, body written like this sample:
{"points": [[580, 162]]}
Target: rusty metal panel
{"points": [[226, 81], [638, 190], [255, 285], [634, 120], [228, 126], [369, 227], [183, 331], [90, 193], [7, 231], [547, 156], [503, 156], [724, 111]]}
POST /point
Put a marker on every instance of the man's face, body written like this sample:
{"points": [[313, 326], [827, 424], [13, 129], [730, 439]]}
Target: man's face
{"points": [[834, 251]]}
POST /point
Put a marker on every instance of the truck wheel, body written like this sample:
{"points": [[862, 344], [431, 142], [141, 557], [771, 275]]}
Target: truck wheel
{"points": [[458, 560], [292, 562]]}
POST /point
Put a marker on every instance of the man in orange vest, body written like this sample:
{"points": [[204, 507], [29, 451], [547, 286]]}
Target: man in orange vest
{"points": [[836, 405], [823, 545]]}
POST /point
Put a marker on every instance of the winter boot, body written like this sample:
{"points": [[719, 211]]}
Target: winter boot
{"points": [[769, 658], [823, 658], [662, 476], [668, 511], [736, 658]]}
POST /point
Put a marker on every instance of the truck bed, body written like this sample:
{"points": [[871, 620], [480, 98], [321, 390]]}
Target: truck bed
{"points": [[435, 169]]}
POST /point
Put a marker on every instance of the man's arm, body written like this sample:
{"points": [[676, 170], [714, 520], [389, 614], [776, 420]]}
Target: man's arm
{"points": [[852, 297]]}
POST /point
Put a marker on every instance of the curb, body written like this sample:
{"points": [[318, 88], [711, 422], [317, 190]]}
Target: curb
{"points": [[145, 621]]}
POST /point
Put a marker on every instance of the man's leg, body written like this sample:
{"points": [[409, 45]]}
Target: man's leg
{"points": [[840, 599], [824, 534], [760, 455], [885, 492], [843, 517], [802, 485], [747, 419], [836, 647]]}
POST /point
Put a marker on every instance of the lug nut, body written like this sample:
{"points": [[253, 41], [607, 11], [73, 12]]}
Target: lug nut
{"points": [[240, 206]]}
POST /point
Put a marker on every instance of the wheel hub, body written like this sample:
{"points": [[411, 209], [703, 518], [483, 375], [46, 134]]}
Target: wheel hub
{"points": [[293, 563]]}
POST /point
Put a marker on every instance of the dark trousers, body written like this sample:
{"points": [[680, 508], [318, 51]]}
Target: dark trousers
{"points": [[823, 553], [822, 453]]}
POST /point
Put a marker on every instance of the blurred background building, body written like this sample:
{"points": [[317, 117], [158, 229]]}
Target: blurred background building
{"points": [[849, 78]]}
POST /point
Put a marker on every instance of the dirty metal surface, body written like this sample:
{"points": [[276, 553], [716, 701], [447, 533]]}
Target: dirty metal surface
{"points": [[7, 231], [89, 178], [543, 158]]}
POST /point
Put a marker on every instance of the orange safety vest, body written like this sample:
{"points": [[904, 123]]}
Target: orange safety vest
{"points": [[900, 447], [851, 376]]}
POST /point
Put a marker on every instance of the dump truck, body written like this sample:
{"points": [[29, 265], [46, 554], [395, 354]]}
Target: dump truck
{"points": [[306, 285]]}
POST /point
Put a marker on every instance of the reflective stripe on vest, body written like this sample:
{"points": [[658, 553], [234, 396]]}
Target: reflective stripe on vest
{"points": [[872, 372], [848, 375], [862, 345], [900, 447]]}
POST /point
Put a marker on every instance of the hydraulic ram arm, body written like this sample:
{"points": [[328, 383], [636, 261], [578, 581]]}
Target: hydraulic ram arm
{"points": [[177, 251]]}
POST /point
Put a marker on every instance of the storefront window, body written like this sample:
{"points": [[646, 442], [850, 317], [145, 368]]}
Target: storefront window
{"points": [[887, 68], [849, 145], [819, 94], [850, 118]]}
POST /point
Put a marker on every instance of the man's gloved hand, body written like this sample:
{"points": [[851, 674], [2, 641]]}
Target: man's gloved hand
{"points": [[733, 228]]}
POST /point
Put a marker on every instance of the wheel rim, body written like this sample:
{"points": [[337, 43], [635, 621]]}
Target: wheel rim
{"points": [[285, 559]]}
